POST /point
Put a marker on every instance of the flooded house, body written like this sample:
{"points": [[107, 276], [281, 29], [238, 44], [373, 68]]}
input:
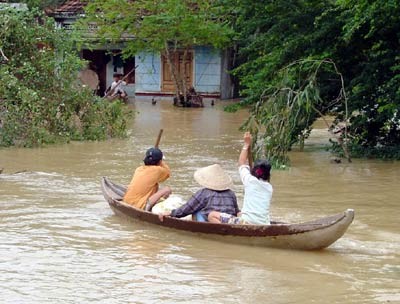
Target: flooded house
{"points": [[206, 68]]}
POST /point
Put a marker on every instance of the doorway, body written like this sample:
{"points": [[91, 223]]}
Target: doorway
{"points": [[167, 82]]}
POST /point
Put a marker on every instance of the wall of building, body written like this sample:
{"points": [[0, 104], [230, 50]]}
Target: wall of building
{"points": [[148, 72], [207, 70]]}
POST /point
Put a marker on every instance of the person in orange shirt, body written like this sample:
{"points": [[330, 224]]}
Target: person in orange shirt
{"points": [[143, 191]]}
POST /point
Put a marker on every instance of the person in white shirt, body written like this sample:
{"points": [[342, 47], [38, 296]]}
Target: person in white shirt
{"points": [[257, 192], [115, 89]]}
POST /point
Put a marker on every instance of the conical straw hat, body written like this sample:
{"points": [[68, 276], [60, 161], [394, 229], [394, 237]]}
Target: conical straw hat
{"points": [[213, 177]]}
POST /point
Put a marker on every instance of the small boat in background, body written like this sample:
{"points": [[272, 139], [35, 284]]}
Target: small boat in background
{"points": [[312, 235]]}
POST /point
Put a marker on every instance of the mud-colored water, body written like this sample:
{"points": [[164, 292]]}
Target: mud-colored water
{"points": [[60, 242]]}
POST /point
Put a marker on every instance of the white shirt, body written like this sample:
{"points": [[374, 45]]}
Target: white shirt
{"points": [[257, 198], [116, 86]]}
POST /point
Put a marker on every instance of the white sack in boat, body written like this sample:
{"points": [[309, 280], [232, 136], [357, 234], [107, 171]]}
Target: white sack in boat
{"points": [[169, 204]]}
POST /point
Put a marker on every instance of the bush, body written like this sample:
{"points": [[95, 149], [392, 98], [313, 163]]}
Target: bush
{"points": [[41, 100]]}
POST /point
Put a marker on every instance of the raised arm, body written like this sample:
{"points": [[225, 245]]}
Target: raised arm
{"points": [[245, 150]]}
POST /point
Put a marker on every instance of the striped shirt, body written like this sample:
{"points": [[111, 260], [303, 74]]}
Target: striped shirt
{"points": [[207, 200]]}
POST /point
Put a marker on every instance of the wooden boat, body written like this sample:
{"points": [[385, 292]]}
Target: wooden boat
{"points": [[312, 235]]}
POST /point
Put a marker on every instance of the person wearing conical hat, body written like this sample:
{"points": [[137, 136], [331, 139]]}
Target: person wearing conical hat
{"points": [[257, 191], [214, 196]]}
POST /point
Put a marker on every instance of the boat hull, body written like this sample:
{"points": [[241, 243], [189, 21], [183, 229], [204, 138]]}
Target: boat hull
{"points": [[312, 235]]}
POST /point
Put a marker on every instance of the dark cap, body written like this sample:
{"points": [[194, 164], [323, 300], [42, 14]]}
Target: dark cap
{"points": [[153, 156]]}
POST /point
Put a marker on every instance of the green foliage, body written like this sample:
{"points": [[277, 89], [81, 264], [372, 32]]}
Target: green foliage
{"points": [[42, 4], [285, 112], [178, 23], [359, 151], [41, 100], [361, 37]]}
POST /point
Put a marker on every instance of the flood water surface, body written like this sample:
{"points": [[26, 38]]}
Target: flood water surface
{"points": [[61, 243]]}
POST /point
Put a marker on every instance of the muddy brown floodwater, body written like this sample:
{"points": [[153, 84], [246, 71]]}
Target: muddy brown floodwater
{"points": [[60, 242]]}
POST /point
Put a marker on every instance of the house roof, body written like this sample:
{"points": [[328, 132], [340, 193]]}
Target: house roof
{"points": [[70, 7]]}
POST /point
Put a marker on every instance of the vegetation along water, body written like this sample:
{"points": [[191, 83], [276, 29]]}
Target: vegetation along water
{"points": [[307, 75]]}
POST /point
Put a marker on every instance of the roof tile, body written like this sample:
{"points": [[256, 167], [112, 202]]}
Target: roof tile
{"points": [[71, 7]]}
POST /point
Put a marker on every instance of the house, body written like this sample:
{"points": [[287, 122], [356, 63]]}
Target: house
{"points": [[206, 68], [105, 60]]}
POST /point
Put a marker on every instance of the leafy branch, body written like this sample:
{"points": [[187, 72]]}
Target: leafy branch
{"points": [[285, 112]]}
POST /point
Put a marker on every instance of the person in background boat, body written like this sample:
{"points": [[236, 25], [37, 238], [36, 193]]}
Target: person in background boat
{"points": [[216, 195], [257, 191], [143, 191], [115, 89]]}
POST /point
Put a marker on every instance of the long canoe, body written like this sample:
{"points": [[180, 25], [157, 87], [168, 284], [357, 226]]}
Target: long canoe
{"points": [[312, 235]]}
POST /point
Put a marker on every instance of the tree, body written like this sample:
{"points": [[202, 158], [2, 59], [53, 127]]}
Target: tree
{"points": [[40, 99], [279, 44], [371, 33], [160, 26], [42, 4]]}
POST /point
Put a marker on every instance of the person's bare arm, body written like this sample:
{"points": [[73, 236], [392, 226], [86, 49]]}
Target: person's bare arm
{"points": [[245, 150], [154, 199]]}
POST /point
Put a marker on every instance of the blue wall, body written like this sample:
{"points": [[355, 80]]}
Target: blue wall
{"points": [[147, 74], [207, 70]]}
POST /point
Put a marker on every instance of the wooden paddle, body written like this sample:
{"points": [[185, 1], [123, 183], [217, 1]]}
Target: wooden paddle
{"points": [[159, 138]]}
